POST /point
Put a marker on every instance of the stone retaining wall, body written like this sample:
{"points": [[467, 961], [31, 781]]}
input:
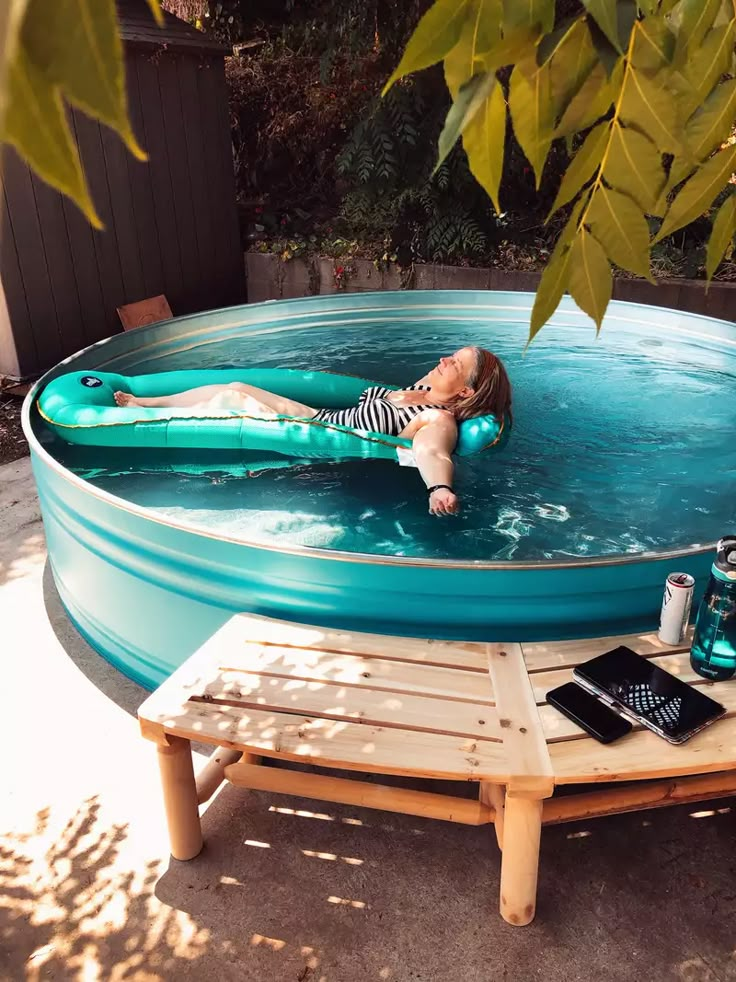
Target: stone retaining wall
{"points": [[269, 278]]}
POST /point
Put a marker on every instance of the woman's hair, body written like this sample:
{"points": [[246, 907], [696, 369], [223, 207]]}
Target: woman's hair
{"points": [[491, 389]]}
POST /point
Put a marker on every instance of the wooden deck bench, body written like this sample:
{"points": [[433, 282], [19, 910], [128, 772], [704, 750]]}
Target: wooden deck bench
{"points": [[431, 709]]}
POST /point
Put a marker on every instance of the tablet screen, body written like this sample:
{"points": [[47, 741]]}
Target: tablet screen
{"points": [[650, 692]]}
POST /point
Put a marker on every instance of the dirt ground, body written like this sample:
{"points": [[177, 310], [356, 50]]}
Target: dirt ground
{"points": [[12, 442]]}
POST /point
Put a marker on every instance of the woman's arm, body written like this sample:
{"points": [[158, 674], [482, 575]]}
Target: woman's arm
{"points": [[434, 441]]}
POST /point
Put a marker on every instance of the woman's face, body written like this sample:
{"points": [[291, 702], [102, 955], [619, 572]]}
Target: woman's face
{"points": [[452, 373]]}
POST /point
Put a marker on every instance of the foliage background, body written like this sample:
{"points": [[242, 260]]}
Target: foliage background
{"points": [[324, 165]]}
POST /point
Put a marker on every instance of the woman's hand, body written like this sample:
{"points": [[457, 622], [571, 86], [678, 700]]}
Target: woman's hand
{"points": [[443, 502]]}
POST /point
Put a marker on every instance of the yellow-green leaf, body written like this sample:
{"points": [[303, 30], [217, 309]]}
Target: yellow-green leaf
{"points": [[481, 30], [484, 141], [570, 65], [583, 165], [435, 35], [529, 13], [469, 100], [654, 44], [634, 165], [518, 45], [709, 127], [722, 235], [604, 13], [650, 108], [705, 66], [590, 282], [76, 45], [155, 8], [552, 286], [36, 125], [532, 115], [694, 20], [621, 228], [695, 196], [592, 101]]}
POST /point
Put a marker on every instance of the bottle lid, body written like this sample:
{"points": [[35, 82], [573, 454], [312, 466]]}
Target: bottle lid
{"points": [[725, 563]]}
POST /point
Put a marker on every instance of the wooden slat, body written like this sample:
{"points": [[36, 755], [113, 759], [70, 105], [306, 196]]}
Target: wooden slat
{"points": [[123, 213], [355, 670], [643, 755], [337, 701], [544, 655], [18, 352], [329, 743], [60, 266], [266, 630], [677, 664], [29, 246], [187, 69], [139, 180], [176, 145], [228, 285], [646, 794], [523, 738], [160, 180], [346, 791], [89, 139]]}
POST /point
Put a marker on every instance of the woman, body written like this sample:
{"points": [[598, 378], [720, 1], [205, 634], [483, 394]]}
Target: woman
{"points": [[471, 382]]}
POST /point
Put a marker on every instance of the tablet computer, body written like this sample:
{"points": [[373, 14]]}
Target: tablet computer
{"points": [[659, 700]]}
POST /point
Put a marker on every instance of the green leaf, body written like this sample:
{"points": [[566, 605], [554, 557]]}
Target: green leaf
{"points": [[552, 286], [724, 228], [604, 13], [469, 100], [570, 65], [712, 124], [695, 18], [590, 280], [695, 196], [76, 45], [592, 101], [532, 115], [529, 13], [436, 35], [484, 141], [36, 125], [482, 29], [634, 165], [654, 44], [621, 228], [583, 165], [651, 109]]}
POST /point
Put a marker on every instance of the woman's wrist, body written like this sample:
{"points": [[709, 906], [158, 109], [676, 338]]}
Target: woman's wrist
{"points": [[439, 487]]}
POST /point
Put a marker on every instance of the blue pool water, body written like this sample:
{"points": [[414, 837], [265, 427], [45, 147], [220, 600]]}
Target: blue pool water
{"points": [[624, 444]]}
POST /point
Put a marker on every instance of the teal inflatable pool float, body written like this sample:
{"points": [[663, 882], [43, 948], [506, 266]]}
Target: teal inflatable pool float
{"points": [[80, 408]]}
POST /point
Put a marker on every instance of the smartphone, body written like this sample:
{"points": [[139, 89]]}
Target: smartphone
{"points": [[659, 700], [589, 713]]}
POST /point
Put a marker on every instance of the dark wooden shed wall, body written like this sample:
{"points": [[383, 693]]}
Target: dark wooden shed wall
{"points": [[170, 224]]}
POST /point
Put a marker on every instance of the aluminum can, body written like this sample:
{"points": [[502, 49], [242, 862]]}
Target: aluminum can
{"points": [[676, 604]]}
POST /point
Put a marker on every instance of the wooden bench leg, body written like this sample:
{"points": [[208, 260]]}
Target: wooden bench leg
{"points": [[493, 795], [180, 798], [520, 860]]}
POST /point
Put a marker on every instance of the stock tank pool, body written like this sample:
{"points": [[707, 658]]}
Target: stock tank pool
{"points": [[620, 468]]}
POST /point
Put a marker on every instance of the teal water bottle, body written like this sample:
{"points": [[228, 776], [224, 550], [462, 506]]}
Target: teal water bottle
{"points": [[713, 653]]}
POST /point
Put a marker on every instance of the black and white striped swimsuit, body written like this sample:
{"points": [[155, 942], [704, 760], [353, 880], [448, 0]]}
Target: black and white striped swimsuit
{"points": [[375, 413]]}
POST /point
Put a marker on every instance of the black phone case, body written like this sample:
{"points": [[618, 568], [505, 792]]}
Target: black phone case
{"points": [[620, 725]]}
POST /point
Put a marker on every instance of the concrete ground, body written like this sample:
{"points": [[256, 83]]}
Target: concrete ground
{"points": [[308, 893]]}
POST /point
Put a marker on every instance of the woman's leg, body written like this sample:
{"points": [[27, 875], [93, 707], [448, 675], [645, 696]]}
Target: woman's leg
{"points": [[231, 391]]}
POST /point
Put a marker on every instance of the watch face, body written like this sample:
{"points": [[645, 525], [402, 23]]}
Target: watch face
{"points": [[91, 381]]}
